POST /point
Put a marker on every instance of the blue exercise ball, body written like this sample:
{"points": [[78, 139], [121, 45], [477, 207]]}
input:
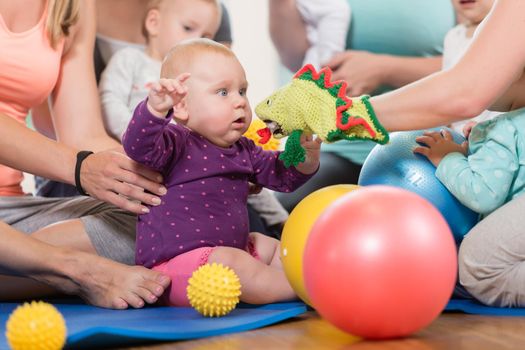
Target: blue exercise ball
{"points": [[395, 164]]}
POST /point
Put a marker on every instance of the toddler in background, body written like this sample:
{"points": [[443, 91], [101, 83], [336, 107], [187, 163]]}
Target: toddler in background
{"points": [[486, 172], [456, 43], [327, 23], [131, 71], [207, 164]]}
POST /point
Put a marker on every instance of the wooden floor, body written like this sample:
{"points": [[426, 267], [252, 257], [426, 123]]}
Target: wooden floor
{"points": [[451, 331]]}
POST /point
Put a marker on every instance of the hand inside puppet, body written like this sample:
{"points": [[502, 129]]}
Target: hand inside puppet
{"points": [[313, 104]]}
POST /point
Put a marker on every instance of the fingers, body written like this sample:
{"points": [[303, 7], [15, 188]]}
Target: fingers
{"points": [[306, 137], [464, 146], [426, 140], [113, 177], [422, 150], [336, 61], [175, 85], [446, 135], [123, 202], [139, 175]]}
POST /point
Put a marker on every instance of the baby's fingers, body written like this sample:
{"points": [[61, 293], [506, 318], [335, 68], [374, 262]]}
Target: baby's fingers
{"points": [[178, 83], [446, 135], [167, 84], [157, 88], [422, 150], [426, 140]]}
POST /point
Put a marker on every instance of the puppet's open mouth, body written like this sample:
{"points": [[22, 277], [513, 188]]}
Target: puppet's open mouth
{"points": [[274, 127]]}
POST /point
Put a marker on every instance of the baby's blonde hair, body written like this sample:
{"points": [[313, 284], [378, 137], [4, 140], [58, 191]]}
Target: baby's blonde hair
{"points": [[181, 56], [155, 5], [61, 15]]}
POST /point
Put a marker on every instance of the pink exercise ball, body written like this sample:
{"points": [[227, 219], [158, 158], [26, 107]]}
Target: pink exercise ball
{"points": [[380, 263]]}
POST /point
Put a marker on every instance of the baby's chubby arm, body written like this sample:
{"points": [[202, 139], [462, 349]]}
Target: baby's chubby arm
{"points": [[167, 93], [149, 139]]}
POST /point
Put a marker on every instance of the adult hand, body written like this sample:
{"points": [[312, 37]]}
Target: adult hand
{"points": [[363, 71], [113, 177]]}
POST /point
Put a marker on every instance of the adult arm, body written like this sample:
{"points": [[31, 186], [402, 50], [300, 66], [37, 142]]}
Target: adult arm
{"points": [[288, 33], [78, 124], [75, 104], [365, 71], [103, 174], [486, 71]]}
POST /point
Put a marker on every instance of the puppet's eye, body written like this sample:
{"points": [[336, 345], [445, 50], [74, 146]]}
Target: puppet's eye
{"points": [[269, 102]]}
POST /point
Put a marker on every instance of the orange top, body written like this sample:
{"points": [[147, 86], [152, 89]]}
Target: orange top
{"points": [[29, 69]]}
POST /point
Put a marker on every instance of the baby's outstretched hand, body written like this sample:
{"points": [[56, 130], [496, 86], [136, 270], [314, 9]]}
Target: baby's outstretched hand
{"points": [[312, 147], [166, 93], [436, 145]]}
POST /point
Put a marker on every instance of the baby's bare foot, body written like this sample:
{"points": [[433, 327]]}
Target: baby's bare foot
{"points": [[105, 283]]}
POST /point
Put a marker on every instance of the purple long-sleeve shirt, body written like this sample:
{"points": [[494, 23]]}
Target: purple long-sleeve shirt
{"points": [[207, 187]]}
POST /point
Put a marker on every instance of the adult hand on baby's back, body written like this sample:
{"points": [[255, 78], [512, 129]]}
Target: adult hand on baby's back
{"points": [[113, 177], [360, 69]]}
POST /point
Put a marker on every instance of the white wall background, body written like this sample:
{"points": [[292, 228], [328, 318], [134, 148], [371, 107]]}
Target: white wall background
{"points": [[253, 47]]}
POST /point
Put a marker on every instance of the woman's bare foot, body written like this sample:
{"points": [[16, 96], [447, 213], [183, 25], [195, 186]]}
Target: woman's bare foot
{"points": [[105, 283]]}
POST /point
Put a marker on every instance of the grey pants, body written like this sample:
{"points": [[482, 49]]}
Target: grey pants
{"points": [[492, 257], [111, 230]]}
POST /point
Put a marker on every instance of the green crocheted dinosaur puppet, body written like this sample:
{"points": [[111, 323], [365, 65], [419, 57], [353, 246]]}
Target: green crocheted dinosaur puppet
{"points": [[312, 104]]}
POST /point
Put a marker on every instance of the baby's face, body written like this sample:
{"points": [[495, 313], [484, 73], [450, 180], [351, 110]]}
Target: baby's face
{"points": [[218, 108], [473, 10], [186, 19]]}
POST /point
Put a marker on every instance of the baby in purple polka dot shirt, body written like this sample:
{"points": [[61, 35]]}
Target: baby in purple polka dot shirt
{"points": [[207, 165]]}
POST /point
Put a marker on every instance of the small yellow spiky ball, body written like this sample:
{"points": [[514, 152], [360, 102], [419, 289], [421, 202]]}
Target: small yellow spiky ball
{"points": [[36, 326], [257, 124], [214, 290]]}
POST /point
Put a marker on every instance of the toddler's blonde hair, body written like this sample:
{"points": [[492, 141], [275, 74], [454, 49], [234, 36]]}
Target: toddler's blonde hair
{"points": [[155, 5]]}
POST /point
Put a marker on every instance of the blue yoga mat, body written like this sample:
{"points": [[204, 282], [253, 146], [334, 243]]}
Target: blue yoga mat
{"points": [[89, 326], [473, 307]]}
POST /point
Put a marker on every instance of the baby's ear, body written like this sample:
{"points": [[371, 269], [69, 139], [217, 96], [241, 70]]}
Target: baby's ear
{"points": [[180, 111], [151, 24]]}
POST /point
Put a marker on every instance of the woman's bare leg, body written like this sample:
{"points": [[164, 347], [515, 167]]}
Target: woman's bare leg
{"points": [[63, 257]]}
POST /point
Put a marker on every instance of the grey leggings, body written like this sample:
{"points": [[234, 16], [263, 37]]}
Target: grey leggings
{"points": [[111, 230], [492, 257]]}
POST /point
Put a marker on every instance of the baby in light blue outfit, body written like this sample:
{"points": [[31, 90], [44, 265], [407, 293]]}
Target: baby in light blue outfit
{"points": [[491, 172]]}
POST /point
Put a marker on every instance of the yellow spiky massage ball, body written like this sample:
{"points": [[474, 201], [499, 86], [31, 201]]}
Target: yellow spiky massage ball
{"points": [[214, 290], [257, 124], [36, 326]]}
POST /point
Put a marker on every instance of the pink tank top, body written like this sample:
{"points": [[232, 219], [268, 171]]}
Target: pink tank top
{"points": [[29, 69]]}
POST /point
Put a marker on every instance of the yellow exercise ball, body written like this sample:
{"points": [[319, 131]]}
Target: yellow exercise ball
{"points": [[298, 227]]}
